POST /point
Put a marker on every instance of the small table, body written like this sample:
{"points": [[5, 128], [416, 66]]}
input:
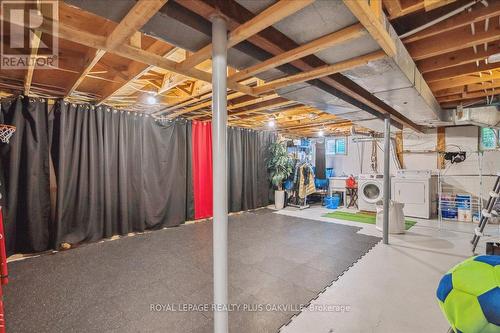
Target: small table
{"points": [[352, 192]]}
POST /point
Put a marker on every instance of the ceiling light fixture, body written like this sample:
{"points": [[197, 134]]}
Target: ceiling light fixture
{"points": [[151, 100], [321, 133], [271, 123]]}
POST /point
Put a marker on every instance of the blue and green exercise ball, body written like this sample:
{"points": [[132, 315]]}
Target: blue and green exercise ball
{"points": [[469, 295]]}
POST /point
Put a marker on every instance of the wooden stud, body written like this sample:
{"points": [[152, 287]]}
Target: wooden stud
{"points": [[399, 148], [441, 146]]}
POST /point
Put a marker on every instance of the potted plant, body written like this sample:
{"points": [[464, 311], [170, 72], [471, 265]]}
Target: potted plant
{"points": [[280, 168]]}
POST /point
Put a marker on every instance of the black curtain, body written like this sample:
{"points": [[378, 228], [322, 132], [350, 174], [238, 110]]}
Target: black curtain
{"points": [[248, 181], [320, 162], [25, 173], [117, 172]]}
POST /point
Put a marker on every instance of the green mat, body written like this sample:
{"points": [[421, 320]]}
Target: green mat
{"points": [[361, 217]]}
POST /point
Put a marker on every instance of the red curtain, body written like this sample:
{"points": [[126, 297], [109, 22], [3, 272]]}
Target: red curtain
{"points": [[202, 168]]}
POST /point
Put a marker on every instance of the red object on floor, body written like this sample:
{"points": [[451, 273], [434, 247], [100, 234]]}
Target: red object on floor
{"points": [[202, 168], [3, 272]]}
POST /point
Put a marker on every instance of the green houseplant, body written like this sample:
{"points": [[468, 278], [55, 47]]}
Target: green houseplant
{"points": [[280, 167]]}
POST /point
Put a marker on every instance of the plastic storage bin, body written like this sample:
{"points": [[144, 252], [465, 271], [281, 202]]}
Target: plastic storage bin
{"points": [[332, 202]]}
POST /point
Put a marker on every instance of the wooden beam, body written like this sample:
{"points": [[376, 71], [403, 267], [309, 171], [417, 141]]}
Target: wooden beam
{"points": [[372, 23], [455, 40], [135, 70], [463, 80], [136, 40], [471, 95], [266, 18], [441, 146], [139, 15], [456, 58], [99, 42], [470, 88], [461, 20], [335, 38], [92, 58], [393, 7], [433, 4], [462, 70], [275, 42], [34, 45], [266, 106], [319, 72], [399, 148], [376, 7]]}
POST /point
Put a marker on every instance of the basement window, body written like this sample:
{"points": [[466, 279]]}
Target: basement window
{"points": [[336, 146], [489, 138]]}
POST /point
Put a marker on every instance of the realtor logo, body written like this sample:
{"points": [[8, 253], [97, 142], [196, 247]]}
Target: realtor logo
{"points": [[28, 34]]}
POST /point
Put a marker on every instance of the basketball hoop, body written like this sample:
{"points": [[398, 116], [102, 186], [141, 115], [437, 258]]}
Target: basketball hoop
{"points": [[6, 132]]}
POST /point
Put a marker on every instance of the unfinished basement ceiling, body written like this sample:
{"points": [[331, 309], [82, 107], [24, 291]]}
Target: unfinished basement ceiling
{"points": [[180, 34], [321, 41]]}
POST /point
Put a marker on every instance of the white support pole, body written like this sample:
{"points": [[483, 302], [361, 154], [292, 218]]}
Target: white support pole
{"points": [[387, 177], [219, 133]]}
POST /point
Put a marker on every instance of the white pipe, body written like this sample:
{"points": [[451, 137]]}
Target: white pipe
{"points": [[387, 178], [439, 19], [219, 133]]}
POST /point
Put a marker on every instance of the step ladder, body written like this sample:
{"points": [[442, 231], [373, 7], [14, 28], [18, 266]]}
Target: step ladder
{"points": [[487, 213]]}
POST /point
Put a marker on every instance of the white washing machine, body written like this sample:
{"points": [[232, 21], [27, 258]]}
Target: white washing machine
{"points": [[417, 190], [370, 191]]}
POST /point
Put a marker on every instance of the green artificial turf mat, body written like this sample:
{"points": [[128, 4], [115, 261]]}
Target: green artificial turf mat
{"points": [[362, 218]]}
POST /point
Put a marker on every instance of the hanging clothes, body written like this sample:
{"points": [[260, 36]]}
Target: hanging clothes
{"points": [[306, 180]]}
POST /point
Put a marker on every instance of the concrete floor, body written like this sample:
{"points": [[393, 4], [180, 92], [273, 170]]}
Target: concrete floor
{"points": [[392, 288]]}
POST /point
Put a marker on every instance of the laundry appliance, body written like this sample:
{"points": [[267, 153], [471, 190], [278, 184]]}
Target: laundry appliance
{"points": [[417, 190], [370, 191]]}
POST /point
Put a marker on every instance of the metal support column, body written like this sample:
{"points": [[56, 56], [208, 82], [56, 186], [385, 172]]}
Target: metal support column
{"points": [[219, 133], [387, 177]]}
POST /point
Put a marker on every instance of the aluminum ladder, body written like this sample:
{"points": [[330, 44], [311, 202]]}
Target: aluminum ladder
{"points": [[487, 213]]}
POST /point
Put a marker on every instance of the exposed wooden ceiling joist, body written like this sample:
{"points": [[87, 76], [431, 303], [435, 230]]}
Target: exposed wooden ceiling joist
{"points": [[34, 43], [455, 40], [462, 70], [266, 18], [467, 96], [320, 72], [140, 14], [99, 42], [477, 14], [457, 58], [464, 80], [372, 23], [314, 46], [273, 41]]}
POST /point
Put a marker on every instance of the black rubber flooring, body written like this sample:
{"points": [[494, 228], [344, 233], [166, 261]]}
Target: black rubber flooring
{"points": [[110, 286]]}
